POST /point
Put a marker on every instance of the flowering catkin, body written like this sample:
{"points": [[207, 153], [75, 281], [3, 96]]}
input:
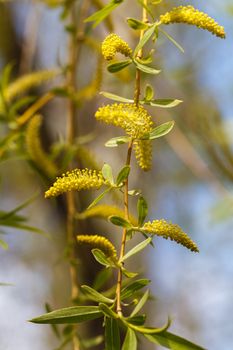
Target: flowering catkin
{"points": [[76, 180], [113, 44], [98, 242], [169, 230], [143, 153], [103, 211], [192, 16], [134, 120], [35, 149]]}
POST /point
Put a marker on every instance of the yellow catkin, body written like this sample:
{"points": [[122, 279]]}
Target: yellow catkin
{"points": [[113, 44], [192, 16], [76, 180], [168, 230], [134, 120], [35, 149], [104, 211], [143, 153], [99, 242]]}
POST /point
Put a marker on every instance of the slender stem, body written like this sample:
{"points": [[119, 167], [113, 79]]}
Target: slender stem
{"points": [[126, 187], [74, 54]]}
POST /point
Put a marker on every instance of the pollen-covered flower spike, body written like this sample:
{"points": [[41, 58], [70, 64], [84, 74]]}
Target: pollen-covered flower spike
{"points": [[169, 230], [35, 149], [99, 242], [143, 153], [134, 120], [190, 15], [113, 44], [77, 180]]}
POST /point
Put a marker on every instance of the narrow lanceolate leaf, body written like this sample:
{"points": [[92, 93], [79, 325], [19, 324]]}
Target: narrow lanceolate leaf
{"points": [[119, 221], [146, 69], [123, 174], [133, 288], [98, 199], [141, 303], [136, 249], [160, 131], [101, 258], [137, 320], [147, 35], [74, 314], [107, 173], [142, 209], [128, 274], [149, 93], [136, 24], [112, 334], [3, 244], [172, 341], [92, 294], [172, 40], [116, 141], [117, 66], [100, 15], [116, 97], [162, 103], [130, 341], [149, 330], [107, 311]]}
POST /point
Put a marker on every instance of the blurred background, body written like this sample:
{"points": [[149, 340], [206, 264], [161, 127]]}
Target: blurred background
{"points": [[190, 183]]}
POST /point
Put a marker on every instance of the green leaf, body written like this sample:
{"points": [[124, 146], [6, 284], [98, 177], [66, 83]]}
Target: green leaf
{"points": [[137, 320], [101, 278], [112, 334], [136, 24], [107, 311], [116, 97], [117, 66], [96, 200], [128, 274], [146, 69], [91, 342], [141, 303], [96, 296], [100, 15], [101, 258], [173, 341], [3, 244], [54, 327], [107, 173], [160, 131], [149, 330], [123, 174], [136, 249], [172, 40], [130, 341], [119, 221], [142, 209], [133, 288], [74, 314], [149, 92], [116, 141], [162, 103], [146, 36]]}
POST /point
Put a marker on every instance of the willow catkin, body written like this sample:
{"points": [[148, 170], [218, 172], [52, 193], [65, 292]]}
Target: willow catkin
{"points": [[168, 230], [192, 16], [113, 44], [98, 242], [76, 180], [35, 149]]}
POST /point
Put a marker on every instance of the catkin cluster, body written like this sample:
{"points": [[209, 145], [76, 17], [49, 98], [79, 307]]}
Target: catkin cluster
{"points": [[143, 153], [192, 16], [134, 120], [35, 149], [168, 230], [99, 242], [76, 180], [113, 44]]}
